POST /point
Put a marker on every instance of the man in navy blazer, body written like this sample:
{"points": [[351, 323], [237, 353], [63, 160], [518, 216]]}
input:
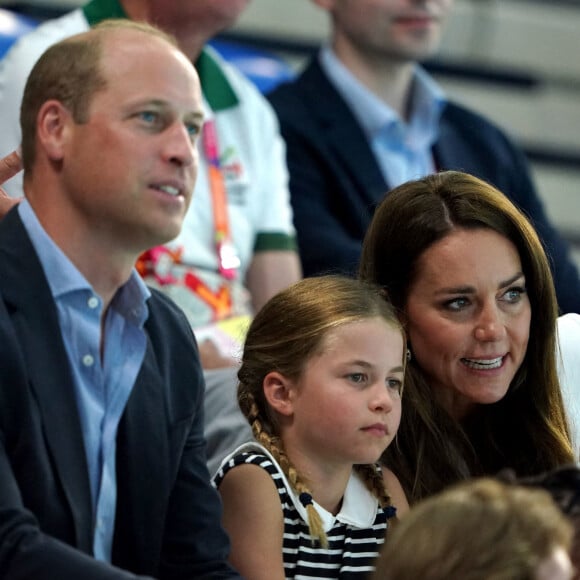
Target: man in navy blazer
{"points": [[363, 117], [102, 456]]}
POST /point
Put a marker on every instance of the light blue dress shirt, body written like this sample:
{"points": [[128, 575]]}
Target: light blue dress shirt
{"points": [[104, 382], [402, 149]]}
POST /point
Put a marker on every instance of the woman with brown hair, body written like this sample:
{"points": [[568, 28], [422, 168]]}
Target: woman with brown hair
{"points": [[472, 285]]}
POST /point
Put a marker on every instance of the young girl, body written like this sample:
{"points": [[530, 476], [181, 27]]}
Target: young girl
{"points": [[320, 384]]}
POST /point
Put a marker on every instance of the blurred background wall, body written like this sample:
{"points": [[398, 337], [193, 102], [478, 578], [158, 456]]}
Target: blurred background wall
{"points": [[515, 61]]}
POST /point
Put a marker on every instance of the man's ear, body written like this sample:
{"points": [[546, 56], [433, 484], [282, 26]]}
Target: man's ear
{"points": [[278, 392], [52, 128]]}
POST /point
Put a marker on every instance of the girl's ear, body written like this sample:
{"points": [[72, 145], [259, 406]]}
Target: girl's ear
{"points": [[278, 392]]}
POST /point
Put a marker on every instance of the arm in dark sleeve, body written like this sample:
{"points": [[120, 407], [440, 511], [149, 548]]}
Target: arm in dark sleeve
{"points": [[195, 544], [26, 553]]}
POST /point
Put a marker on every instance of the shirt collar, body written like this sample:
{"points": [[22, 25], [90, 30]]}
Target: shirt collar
{"points": [[62, 275], [98, 10], [359, 505], [427, 103], [64, 279], [375, 115], [215, 85]]}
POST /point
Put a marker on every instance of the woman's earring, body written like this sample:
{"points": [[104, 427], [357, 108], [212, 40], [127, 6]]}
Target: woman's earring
{"points": [[409, 356]]}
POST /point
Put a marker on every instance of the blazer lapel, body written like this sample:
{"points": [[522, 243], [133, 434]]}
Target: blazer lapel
{"points": [[33, 313], [343, 134], [143, 441], [449, 151]]}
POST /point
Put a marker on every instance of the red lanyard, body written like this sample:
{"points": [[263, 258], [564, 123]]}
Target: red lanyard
{"points": [[158, 261], [228, 259]]}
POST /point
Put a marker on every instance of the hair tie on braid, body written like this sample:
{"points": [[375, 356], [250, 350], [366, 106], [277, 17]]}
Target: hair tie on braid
{"points": [[305, 499], [390, 511]]}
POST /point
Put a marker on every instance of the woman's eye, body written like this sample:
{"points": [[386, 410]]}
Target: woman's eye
{"points": [[514, 294], [456, 304]]}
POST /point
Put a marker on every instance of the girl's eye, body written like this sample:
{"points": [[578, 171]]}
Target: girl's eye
{"points": [[395, 384], [357, 378]]}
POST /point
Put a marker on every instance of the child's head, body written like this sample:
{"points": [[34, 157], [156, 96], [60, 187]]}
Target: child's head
{"points": [[325, 358], [563, 484], [293, 327], [480, 529]]}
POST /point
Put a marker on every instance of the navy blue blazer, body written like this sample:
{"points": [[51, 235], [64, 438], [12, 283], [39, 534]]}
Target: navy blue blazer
{"points": [[168, 516], [336, 183]]}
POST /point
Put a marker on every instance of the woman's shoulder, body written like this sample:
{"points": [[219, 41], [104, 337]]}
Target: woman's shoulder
{"points": [[569, 329], [568, 356]]}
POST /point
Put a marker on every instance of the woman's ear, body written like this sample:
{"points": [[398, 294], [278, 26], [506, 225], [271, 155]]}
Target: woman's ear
{"points": [[278, 392]]}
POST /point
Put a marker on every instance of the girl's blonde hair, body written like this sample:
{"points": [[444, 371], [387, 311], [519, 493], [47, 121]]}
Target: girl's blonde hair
{"points": [[477, 529], [288, 331]]}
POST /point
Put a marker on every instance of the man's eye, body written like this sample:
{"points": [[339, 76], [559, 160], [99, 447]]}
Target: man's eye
{"points": [[192, 129], [149, 117]]}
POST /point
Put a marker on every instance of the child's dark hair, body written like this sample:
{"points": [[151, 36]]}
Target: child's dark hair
{"points": [[288, 331]]}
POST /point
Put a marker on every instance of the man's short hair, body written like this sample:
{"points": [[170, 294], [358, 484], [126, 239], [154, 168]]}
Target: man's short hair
{"points": [[70, 72]]}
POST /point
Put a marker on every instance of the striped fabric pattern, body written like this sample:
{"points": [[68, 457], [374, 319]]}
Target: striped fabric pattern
{"points": [[351, 551]]}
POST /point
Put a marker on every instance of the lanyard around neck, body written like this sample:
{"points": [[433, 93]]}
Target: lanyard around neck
{"points": [[228, 259]]}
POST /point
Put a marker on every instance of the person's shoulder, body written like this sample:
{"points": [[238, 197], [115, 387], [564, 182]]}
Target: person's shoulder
{"points": [[246, 92], [497, 155], [250, 453], [247, 472], [570, 321], [568, 360], [167, 320], [569, 330], [478, 126], [293, 96], [29, 47], [162, 305]]}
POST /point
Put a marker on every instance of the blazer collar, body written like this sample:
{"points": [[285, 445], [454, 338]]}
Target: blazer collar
{"points": [[28, 299], [342, 132]]}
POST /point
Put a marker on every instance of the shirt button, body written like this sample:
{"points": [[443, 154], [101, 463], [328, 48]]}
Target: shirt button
{"points": [[93, 302], [88, 360]]}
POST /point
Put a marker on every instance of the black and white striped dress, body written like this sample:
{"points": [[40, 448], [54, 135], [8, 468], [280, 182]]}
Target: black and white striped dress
{"points": [[355, 534]]}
